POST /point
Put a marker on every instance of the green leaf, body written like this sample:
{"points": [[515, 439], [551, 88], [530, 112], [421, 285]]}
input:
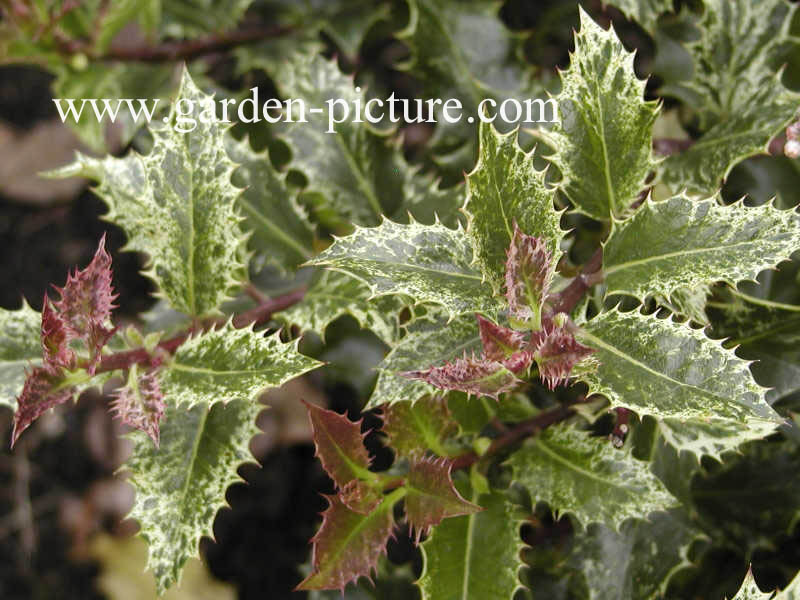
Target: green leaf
{"points": [[192, 18], [588, 478], [461, 49], [739, 100], [181, 486], [20, 348], [646, 12], [177, 204], [428, 342], [358, 171], [603, 145], [681, 243], [474, 556], [335, 294], [348, 544], [427, 263], [228, 364], [703, 395], [414, 428], [505, 188], [431, 496], [636, 562], [282, 234]]}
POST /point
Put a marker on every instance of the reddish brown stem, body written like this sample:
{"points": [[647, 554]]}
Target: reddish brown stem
{"points": [[590, 274]]}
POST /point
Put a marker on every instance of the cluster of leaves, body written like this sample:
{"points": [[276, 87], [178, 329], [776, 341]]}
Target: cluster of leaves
{"points": [[475, 289]]}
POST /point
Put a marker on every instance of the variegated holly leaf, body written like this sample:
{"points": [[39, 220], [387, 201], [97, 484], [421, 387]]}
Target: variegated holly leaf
{"points": [[349, 544], [20, 349], [750, 590], [469, 374], [691, 244], [226, 364], [703, 395], [476, 555], [603, 144], [193, 18], [340, 445], [414, 428], [506, 191], [638, 561], [140, 403], [645, 12], [427, 263], [462, 49], [431, 340], [181, 485], [431, 495], [588, 478], [281, 232], [334, 294], [529, 272], [358, 171], [739, 99], [178, 205]]}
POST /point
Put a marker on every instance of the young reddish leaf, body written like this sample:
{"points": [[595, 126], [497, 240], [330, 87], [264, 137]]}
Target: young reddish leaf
{"points": [[340, 445], [55, 338], [87, 300], [557, 355], [431, 495], [499, 342], [414, 428], [140, 403], [360, 497], [529, 274], [348, 544], [469, 374], [38, 395]]}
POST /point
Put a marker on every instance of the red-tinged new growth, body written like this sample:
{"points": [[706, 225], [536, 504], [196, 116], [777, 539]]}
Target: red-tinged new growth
{"points": [[499, 343], [529, 275], [557, 355], [470, 374], [55, 339], [348, 545], [140, 403], [432, 496], [792, 146], [360, 497], [340, 445], [40, 393], [87, 300]]}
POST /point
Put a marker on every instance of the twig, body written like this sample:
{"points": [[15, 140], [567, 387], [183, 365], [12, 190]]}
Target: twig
{"points": [[590, 274]]}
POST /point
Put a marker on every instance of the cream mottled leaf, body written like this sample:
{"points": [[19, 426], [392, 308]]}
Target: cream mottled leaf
{"points": [[228, 364], [505, 188], [691, 244], [427, 263], [334, 294], [603, 144], [646, 12], [428, 342], [750, 590], [476, 555], [281, 232], [181, 485], [20, 347], [178, 205], [703, 395], [588, 478]]}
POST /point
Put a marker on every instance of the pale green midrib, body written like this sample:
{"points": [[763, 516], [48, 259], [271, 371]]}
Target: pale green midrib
{"points": [[190, 273], [374, 203], [708, 393], [193, 458], [357, 470], [342, 262], [275, 230], [468, 551], [541, 445], [765, 303], [192, 369], [701, 143], [635, 263], [606, 166]]}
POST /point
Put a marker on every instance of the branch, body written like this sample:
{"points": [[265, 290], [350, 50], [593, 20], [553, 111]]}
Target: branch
{"points": [[569, 297]]}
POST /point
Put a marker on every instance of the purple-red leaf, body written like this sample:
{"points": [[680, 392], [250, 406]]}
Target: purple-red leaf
{"points": [[529, 274], [140, 403], [55, 338], [414, 428], [39, 394], [557, 354], [340, 445], [499, 342], [431, 495], [87, 300], [469, 374], [348, 544]]}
